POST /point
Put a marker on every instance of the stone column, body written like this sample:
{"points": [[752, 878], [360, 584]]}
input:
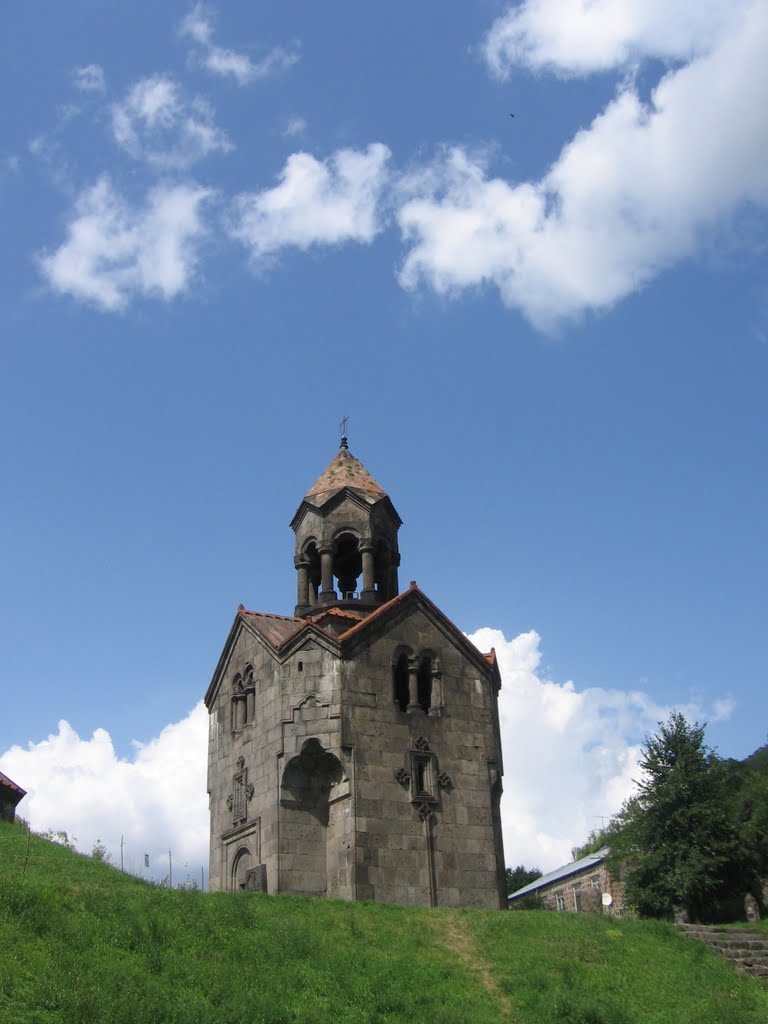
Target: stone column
{"points": [[238, 711], [302, 591], [327, 593], [436, 705], [394, 586], [369, 588], [413, 686]]}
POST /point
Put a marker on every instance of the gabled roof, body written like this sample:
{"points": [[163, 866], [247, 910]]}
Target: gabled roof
{"points": [[336, 613], [275, 629], [10, 786], [575, 866], [414, 595], [283, 633]]}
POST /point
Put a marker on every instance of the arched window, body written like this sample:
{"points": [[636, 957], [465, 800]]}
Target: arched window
{"points": [[400, 681], [238, 703], [249, 687]]}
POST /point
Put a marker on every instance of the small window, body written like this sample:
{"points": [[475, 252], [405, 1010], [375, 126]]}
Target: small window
{"points": [[301, 666], [423, 776], [595, 881], [560, 900]]}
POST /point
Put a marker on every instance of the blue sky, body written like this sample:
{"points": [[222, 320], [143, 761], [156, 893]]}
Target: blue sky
{"points": [[226, 228]]}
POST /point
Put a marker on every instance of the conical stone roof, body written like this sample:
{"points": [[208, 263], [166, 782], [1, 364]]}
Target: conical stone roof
{"points": [[344, 470]]}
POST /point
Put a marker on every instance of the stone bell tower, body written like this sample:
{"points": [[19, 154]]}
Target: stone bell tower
{"points": [[354, 747], [346, 529]]}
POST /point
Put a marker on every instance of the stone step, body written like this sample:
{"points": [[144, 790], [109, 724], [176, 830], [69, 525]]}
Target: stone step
{"points": [[716, 929], [746, 950], [722, 943]]}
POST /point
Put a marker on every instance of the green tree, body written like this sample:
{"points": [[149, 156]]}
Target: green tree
{"points": [[596, 840], [520, 876], [677, 842], [100, 852]]}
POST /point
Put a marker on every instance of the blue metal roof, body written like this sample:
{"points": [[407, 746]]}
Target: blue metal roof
{"points": [[575, 866]]}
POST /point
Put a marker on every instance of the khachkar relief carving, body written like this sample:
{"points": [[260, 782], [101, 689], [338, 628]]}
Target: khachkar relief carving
{"points": [[242, 793], [422, 775]]}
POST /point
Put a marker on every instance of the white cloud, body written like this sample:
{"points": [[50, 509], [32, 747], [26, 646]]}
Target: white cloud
{"points": [[157, 800], [627, 197], [114, 252], [157, 124], [317, 202], [582, 36], [295, 128], [197, 25], [569, 755], [89, 78]]}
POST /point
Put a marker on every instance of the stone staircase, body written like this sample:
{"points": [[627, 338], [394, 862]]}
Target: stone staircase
{"points": [[747, 950]]}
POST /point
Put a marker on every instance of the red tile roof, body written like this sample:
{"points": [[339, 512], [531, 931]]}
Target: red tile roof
{"points": [[276, 629]]}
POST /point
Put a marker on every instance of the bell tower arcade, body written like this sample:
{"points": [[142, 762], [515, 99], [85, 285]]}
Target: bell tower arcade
{"points": [[346, 553]]}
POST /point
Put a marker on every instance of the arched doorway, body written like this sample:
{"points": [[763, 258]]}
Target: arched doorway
{"points": [[240, 867]]}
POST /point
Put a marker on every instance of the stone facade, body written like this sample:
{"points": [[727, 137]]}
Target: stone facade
{"points": [[354, 748], [579, 887]]}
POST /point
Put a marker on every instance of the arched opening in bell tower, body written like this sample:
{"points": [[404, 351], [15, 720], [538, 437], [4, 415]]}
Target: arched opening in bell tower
{"points": [[314, 572], [347, 565]]}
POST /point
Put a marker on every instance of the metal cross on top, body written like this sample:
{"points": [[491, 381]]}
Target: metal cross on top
{"points": [[343, 428]]}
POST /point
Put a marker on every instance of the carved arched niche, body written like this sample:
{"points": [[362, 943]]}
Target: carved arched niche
{"points": [[311, 829]]}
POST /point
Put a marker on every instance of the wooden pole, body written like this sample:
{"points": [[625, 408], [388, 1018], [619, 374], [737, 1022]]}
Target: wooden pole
{"points": [[26, 852]]}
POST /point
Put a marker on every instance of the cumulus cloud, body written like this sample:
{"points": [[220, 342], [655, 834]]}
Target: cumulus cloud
{"points": [[583, 36], [89, 78], [115, 251], [156, 800], [317, 202], [198, 26], [156, 123], [627, 197], [570, 756]]}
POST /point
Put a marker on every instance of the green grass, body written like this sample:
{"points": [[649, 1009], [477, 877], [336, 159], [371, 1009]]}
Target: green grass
{"points": [[83, 943]]}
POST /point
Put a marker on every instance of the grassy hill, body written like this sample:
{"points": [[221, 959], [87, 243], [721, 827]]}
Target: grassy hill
{"points": [[83, 943]]}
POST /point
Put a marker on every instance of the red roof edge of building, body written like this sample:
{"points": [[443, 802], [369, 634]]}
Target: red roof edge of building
{"points": [[10, 784]]}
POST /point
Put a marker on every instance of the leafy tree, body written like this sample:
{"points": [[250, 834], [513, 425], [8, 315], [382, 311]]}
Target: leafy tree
{"points": [[520, 876], [100, 852], [596, 840], [677, 842]]}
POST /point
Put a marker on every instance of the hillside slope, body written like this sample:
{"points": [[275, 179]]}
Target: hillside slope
{"points": [[83, 943]]}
